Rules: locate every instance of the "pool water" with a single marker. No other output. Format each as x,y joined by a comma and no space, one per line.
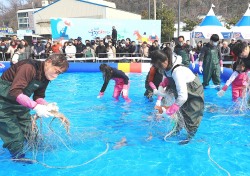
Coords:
220,147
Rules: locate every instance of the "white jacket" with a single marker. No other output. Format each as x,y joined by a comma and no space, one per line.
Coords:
181,76
70,51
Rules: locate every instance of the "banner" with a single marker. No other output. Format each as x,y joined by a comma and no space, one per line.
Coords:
90,29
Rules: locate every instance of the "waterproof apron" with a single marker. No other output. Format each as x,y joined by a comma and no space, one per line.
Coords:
192,109
211,67
15,119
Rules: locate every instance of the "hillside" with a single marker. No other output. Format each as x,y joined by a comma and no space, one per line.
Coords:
190,9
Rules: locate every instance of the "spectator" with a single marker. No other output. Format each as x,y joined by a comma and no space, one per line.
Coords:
70,50
48,49
132,50
225,51
112,48
39,50
79,48
144,50
12,48
101,50
114,36
27,47
64,46
231,45
89,51
189,45
18,54
153,48
56,47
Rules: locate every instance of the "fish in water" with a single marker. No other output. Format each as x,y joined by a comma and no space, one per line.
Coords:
121,143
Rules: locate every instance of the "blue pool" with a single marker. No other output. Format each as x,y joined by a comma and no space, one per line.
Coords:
221,146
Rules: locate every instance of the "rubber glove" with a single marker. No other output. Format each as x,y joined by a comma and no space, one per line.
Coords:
221,66
248,74
2,65
158,103
172,109
24,100
193,65
200,67
155,92
42,111
52,107
222,91
125,90
161,91
221,69
100,95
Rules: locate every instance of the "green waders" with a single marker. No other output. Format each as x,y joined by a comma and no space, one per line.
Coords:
185,58
192,109
211,67
15,119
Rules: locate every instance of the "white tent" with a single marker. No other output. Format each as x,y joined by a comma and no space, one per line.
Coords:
242,29
210,25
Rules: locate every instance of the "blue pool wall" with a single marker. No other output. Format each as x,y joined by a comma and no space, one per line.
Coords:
126,67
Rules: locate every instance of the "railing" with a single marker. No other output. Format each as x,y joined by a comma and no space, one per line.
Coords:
124,58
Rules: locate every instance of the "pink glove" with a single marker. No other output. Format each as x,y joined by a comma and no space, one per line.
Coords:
221,63
225,88
25,101
172,109
164,83
41,101
100,94
152,85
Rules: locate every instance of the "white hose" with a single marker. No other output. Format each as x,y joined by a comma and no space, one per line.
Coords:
220,167
65,167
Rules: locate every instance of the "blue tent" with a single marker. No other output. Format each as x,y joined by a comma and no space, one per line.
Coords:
210,25
242,27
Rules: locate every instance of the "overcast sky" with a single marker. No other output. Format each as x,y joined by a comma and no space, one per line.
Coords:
4,2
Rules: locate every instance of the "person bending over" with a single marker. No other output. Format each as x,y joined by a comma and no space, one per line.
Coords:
23,79
187,89
121,82
238,79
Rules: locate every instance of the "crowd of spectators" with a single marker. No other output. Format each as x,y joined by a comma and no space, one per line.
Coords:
89,50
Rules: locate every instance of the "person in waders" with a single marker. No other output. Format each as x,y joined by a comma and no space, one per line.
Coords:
17,84
187,90
210,62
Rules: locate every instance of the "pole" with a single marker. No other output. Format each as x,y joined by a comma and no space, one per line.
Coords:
149,9
154,9
179,17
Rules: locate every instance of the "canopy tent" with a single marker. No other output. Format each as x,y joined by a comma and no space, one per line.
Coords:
242,28
210,25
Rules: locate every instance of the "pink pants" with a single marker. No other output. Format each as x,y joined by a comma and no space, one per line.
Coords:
237,93
118,89
239,85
